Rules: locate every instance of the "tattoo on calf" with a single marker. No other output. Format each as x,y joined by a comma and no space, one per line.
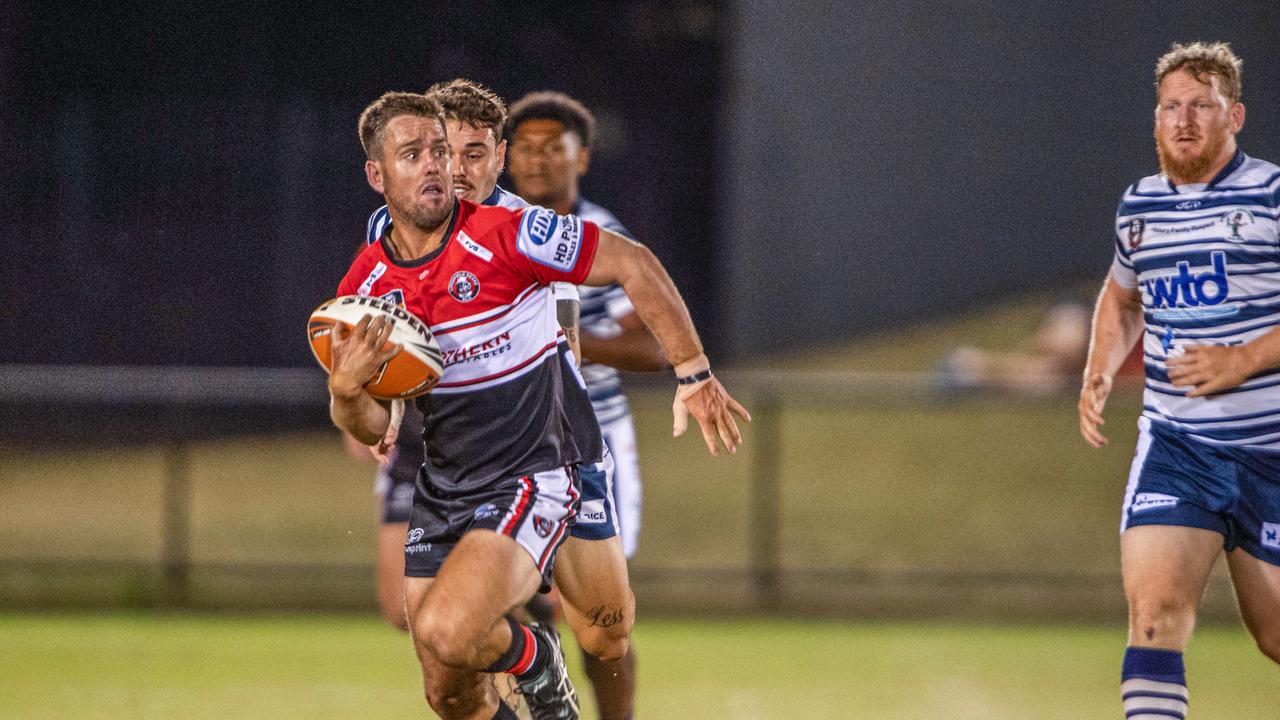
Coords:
602,617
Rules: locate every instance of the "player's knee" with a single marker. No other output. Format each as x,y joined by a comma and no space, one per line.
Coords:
395,617
607,644
1157,617
443,641
1269,644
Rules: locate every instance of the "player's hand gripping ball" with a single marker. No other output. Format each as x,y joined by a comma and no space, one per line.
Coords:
412,372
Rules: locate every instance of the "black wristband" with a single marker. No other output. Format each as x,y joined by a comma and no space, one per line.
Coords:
694,378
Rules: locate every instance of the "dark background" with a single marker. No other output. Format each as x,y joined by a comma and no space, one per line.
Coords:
182,181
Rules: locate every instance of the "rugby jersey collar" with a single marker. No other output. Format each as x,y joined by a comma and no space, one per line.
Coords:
419,262
495,197
1223,174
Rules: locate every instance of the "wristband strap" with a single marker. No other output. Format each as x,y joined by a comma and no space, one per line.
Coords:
694,378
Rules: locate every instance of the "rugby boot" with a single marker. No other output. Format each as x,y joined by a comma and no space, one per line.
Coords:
549,694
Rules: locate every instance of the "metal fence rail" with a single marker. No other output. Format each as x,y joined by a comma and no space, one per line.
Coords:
766,584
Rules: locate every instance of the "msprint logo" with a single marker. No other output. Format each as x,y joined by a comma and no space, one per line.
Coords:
1187,290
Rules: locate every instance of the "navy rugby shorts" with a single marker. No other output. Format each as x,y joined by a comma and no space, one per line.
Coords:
598,519
1175,480
534,510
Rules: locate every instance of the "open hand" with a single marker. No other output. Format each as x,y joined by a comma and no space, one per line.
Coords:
1093,398
713,408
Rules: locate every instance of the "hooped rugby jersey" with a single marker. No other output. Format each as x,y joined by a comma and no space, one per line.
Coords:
1206,259
503,405
601,309
409,439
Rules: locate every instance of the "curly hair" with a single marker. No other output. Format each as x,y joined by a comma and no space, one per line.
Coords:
1204,61
472,103
550,105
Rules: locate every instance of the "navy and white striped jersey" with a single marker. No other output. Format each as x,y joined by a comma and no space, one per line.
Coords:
601,308
1206,259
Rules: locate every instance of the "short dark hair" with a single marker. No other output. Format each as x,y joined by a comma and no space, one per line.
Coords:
551,105
374,119
470,102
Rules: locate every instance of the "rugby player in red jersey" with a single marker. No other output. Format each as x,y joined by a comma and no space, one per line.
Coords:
497,493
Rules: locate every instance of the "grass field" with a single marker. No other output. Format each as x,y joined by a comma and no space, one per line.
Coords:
195,667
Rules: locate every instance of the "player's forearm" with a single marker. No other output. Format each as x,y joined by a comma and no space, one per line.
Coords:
1117,325
359,414
633,350
1263,353
659,304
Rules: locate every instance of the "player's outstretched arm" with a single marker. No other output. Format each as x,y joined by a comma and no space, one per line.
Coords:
633,349
356,358
659,305
1117,324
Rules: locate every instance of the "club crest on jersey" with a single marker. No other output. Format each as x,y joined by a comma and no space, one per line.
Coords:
542,526
395,296
464,286
1235,220
1135,232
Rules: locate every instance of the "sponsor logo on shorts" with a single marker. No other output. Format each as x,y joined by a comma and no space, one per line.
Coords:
464,286
1271,535
542,526
415,535
1151,501
486,511
592,512
417,548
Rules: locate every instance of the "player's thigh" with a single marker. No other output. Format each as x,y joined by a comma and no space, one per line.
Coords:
484,576
1165,569
1257,585
595,590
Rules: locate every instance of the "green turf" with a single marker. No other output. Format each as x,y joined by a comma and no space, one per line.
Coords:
317,667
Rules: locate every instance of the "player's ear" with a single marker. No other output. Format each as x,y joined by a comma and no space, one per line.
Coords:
584,160
502,155
373,173
1237,117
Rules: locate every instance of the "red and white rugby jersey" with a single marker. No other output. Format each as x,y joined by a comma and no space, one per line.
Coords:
504,402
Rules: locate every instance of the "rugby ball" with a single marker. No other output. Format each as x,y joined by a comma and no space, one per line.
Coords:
412,372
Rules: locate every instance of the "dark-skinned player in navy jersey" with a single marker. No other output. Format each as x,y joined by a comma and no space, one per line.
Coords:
498,492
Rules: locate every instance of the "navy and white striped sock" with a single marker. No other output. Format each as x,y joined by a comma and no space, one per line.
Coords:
1153,684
